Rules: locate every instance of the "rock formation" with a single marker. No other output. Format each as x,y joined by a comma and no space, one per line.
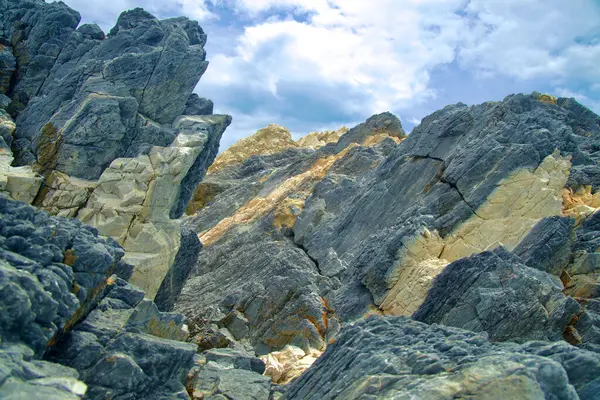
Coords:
107,128
458,261
480,219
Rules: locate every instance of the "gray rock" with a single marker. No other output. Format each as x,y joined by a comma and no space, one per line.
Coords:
213,126
399,358
37,32
229,374
22,377
198,106
547,247
495,293
380,123
98,98
8,65
53,272
175,279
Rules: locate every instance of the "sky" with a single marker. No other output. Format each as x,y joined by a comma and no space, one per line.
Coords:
313,65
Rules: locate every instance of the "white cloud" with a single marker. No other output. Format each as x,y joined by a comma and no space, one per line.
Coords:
530,39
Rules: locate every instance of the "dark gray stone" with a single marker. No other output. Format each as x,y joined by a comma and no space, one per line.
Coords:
547,247
397,357
185,260
495,293
198,106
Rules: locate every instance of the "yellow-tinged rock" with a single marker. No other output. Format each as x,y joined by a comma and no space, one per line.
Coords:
270,140
316,140
581,203
510,212
285,365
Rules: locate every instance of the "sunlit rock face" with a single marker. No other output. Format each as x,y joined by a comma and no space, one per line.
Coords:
302,241
395,357
106,128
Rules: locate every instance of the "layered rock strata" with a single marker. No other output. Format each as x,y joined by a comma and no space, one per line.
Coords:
482,218
106,127
395,357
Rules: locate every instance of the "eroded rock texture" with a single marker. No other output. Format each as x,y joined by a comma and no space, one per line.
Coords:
106,127
63,298
482,218
252,278
395,357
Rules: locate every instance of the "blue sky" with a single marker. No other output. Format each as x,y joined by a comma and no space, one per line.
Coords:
319,64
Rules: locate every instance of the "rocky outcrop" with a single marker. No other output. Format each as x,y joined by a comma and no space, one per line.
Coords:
108,126
276,299
64,299
230,374
476,220
399,358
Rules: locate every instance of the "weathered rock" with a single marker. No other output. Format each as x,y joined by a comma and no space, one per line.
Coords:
376,217
276,299
53,273
228,374
185,260
101,118
22,377
8,65
495,293
399,358
285,365
198,106
269,140
547,247
316,140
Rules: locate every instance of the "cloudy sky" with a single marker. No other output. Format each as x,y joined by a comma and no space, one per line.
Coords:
320,64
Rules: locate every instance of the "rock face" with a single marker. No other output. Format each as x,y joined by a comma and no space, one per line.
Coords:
62,299
480,229
399,358
107,128
483,218
277,298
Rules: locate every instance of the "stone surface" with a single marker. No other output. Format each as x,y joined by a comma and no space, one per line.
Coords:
399,358
228,374
23,377
198,106
102,124
286,365
269,140
299,240
495,293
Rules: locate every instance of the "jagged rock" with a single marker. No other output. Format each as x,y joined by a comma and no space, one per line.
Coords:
100,117
285,365
396,357
184,263
316,140
54,271
198,106
60,299
495,293
38,32
8,65
277,299
230,374
19,183
376,217
547,247
384,123
269,140
22,377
